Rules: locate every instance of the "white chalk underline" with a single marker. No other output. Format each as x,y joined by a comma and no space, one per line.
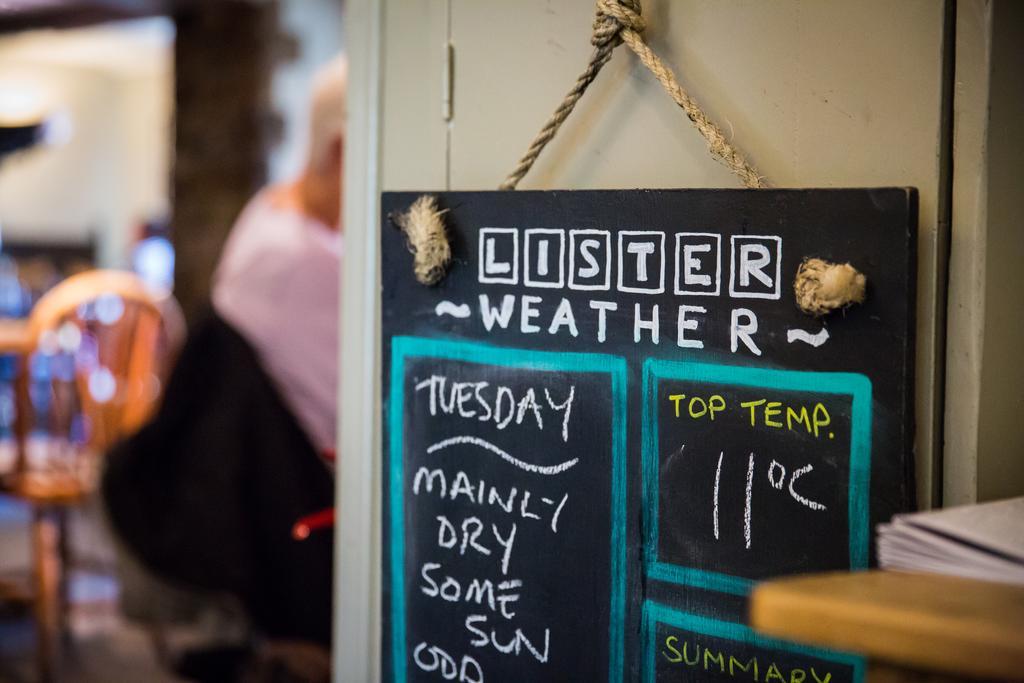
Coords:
488,446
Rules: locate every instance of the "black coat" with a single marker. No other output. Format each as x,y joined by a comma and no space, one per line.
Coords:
206,494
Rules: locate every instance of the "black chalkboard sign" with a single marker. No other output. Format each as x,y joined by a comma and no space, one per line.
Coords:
610,419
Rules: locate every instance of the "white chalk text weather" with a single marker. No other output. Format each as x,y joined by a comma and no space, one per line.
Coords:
689,265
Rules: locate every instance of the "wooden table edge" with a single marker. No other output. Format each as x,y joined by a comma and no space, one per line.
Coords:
795,609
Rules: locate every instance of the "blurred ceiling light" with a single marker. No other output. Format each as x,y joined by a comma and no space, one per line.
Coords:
102,385
48,344
21,104
28,118
109,308
69,337
153,260
28,115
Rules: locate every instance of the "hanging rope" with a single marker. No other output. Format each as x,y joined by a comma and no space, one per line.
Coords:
619,21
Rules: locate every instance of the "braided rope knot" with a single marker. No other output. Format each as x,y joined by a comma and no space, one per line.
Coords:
613,17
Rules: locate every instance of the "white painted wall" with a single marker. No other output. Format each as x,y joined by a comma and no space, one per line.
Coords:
317,25
984,433
116,85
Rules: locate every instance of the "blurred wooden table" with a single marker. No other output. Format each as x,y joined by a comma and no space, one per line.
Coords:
15,336
911,627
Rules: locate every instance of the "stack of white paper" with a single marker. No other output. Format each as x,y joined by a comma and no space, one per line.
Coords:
976,541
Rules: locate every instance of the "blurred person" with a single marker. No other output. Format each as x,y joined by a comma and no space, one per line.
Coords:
277,281
205,496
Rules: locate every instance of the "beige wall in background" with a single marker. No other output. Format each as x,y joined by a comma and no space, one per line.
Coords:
315,25
113,172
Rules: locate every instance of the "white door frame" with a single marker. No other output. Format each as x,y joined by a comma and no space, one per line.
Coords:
357,493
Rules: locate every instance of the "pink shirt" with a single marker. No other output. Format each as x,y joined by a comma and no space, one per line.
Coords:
277,284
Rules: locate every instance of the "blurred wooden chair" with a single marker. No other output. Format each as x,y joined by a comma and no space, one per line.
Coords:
98,349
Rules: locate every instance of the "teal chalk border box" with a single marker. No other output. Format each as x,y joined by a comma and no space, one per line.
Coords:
857,386
655,613
403,348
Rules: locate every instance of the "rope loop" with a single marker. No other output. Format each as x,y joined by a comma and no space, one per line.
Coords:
613,17
617,22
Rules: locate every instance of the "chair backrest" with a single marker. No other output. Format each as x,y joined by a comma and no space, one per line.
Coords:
100,352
